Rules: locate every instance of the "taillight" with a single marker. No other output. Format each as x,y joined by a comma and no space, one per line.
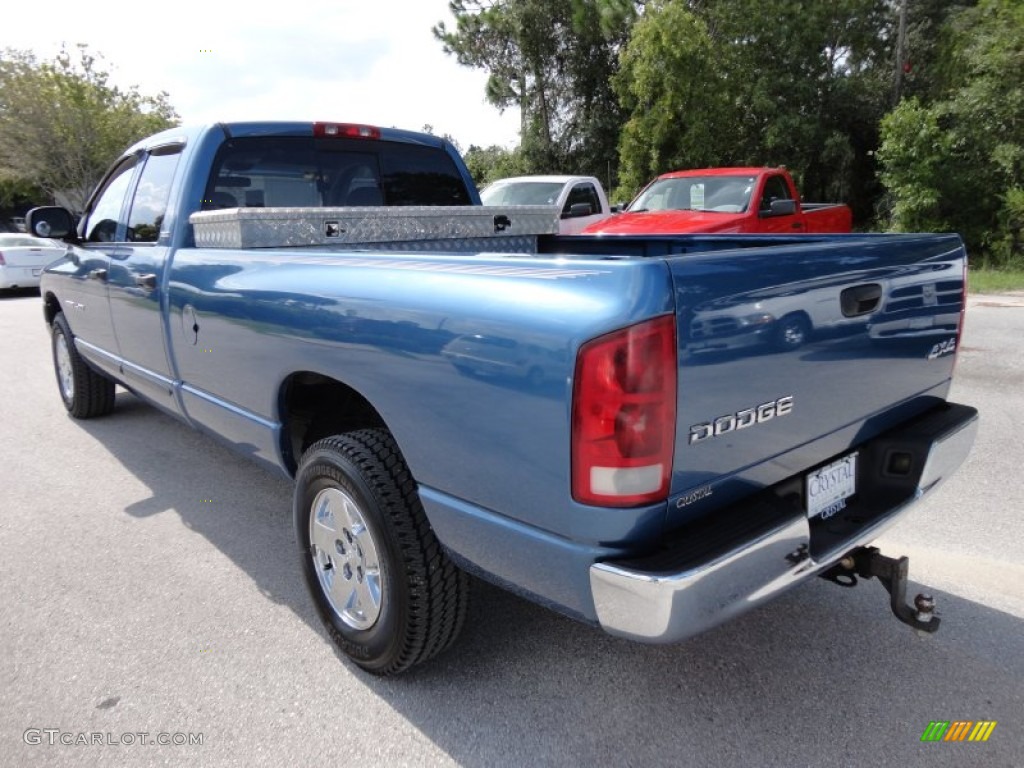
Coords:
345,131
624,415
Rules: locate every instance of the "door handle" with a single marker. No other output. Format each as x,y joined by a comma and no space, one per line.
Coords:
146,281
97,274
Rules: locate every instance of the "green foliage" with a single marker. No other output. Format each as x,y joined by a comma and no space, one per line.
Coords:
987,280
1008,240
674,89
957,162
17,194
62,123
554,62
487,164
743,82
915,157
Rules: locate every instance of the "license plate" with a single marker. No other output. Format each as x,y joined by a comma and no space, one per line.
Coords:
829,487
920,323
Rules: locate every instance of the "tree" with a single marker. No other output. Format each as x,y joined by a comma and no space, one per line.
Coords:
748,82
554,62
487,164
676,92
924,65
957,163
62,123
17,195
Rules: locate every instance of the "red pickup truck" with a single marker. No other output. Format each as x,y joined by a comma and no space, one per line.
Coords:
725,200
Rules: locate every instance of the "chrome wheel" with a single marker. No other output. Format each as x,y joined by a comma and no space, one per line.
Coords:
65,372
380,580
345,558
793,334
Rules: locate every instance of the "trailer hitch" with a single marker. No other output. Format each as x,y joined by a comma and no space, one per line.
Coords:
868,562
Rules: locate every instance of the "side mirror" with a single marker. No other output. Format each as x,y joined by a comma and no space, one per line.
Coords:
577,210
780,208
617,208
50,221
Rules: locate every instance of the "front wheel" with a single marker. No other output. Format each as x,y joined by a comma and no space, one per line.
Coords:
387,593
85,392
792,332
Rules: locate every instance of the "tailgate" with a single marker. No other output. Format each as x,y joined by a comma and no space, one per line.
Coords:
791,355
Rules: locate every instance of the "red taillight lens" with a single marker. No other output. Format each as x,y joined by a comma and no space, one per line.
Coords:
345,131
624,416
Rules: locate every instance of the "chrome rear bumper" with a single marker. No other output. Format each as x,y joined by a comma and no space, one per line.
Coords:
662,606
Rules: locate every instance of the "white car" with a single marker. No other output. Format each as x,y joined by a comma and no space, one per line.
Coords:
22,258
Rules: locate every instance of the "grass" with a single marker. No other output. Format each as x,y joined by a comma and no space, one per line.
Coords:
995,280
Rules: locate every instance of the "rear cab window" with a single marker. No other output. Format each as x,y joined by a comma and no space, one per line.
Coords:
303,172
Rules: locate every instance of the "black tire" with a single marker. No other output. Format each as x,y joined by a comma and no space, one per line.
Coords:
792,332
86,393
410,599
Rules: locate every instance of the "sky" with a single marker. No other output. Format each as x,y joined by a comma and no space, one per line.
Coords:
374,62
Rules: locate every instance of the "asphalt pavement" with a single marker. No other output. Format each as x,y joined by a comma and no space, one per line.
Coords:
150,592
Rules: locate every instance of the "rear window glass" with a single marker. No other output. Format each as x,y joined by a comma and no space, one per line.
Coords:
306,172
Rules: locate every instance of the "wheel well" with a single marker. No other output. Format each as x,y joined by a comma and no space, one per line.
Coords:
51,308
313,406
802,315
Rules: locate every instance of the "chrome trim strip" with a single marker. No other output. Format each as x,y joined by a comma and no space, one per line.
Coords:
664,608
231,407
144,373
96,354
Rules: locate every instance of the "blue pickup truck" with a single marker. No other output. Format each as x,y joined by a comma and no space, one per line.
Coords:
537,410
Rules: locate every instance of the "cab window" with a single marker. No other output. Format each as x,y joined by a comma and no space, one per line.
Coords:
775,188
305,172
105,221
582,193
150,201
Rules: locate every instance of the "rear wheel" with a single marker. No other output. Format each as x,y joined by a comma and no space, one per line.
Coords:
85,392
387,593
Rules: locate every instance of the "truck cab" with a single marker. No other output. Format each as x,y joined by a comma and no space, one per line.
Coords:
581,200
726,201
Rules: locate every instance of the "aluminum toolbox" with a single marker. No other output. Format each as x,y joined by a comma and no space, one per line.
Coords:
277,227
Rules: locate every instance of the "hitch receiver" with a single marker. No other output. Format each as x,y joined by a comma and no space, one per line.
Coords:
867,562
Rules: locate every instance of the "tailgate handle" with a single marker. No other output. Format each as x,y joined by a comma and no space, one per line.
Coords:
860,300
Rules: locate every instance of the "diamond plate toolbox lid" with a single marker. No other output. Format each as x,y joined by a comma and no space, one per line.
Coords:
277,227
